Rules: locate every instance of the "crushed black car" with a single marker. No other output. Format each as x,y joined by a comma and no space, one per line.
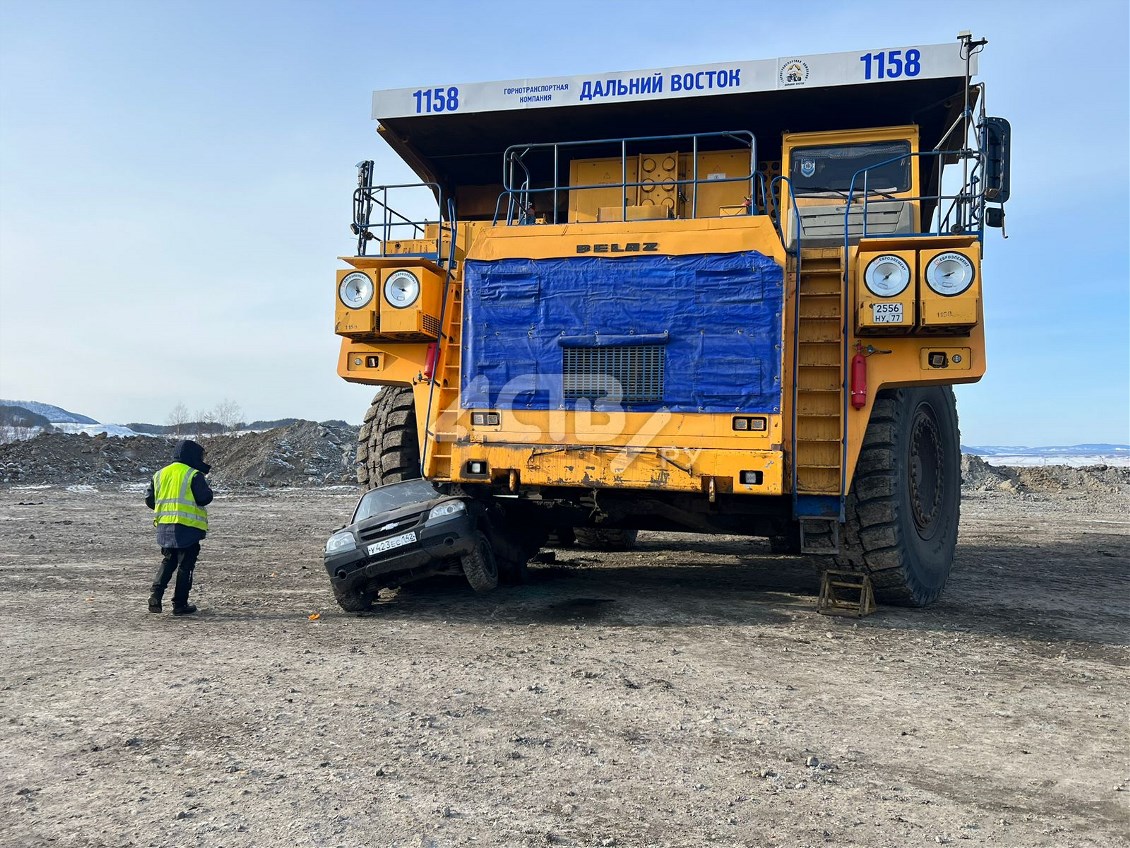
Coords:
407,531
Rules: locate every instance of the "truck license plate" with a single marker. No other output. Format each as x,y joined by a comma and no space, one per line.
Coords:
394,542
886,313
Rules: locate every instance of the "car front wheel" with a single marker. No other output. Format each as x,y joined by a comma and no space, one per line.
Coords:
480,566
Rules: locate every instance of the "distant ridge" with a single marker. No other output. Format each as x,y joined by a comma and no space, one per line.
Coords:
54,414
1048,452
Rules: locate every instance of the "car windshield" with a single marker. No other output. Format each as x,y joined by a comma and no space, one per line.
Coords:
815,170
392,496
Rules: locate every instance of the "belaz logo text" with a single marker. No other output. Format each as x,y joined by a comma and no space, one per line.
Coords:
629,247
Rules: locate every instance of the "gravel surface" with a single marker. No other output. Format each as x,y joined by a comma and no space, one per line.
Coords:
684,694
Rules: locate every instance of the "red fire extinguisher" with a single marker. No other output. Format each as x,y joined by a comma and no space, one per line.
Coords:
858,378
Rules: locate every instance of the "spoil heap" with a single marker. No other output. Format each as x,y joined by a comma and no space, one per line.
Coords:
303,453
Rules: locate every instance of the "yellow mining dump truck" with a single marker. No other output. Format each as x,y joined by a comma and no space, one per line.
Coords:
730,298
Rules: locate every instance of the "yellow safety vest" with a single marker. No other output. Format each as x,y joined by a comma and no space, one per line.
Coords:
172,496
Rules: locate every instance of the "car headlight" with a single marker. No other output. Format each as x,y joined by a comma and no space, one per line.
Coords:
446,510
401,289
949,274
886,276
356,290
340,542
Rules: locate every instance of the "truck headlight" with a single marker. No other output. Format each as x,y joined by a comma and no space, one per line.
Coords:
447,510
356,290
401,289
949,274
886,276
340,542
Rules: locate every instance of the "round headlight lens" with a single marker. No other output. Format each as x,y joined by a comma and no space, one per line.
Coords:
401,289
949,274
887,276
356,290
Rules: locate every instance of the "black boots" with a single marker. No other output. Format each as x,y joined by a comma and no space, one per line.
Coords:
182,561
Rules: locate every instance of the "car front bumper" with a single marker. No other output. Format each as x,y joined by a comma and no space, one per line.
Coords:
435,546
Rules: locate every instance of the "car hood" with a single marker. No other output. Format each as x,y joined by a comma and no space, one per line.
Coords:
401,513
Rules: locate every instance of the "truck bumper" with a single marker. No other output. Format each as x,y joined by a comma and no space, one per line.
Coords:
752,472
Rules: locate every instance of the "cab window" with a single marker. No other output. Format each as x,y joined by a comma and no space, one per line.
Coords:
829,168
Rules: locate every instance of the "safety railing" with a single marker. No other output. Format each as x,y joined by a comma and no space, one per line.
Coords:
794,221
520,192
393,225
960,212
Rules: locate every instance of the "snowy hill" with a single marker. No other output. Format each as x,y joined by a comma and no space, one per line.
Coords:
1075,455
54,414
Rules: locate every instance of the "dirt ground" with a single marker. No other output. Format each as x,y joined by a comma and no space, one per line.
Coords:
684,694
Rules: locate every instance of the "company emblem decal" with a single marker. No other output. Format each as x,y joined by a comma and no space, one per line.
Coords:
793,72
807,167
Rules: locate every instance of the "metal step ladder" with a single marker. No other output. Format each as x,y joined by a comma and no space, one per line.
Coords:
818,397
846,593
444,401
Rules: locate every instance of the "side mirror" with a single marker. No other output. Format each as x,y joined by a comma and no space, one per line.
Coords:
994,217
996,138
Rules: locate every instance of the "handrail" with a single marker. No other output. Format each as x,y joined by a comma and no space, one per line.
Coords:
794,220
523,191
366,198
440,347
965,213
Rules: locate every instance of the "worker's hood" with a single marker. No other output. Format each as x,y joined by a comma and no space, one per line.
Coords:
192,455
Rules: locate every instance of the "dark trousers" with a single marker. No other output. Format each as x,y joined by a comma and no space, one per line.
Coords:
182,561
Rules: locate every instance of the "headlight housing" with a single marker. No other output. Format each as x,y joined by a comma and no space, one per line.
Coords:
949,273
343,541
447,510
356,290
887,276
402,288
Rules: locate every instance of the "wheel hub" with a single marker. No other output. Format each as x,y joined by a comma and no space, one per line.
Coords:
926,477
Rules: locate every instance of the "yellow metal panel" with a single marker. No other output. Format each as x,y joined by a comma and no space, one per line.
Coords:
555,428
672,238
355,322
937,312
657,175
397,364
667,469
414,318
714,196
865,314
585,203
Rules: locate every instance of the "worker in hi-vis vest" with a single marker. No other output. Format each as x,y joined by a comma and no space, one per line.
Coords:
178,495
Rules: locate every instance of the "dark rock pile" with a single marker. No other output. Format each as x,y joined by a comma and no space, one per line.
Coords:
303,453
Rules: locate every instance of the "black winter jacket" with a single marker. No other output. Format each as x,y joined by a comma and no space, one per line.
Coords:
180,535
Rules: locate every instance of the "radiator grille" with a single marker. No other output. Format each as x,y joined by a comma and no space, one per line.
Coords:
430,325
628,373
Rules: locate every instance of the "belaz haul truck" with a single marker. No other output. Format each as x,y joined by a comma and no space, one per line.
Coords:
728,298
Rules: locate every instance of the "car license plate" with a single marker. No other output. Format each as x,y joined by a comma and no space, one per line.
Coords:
394,542
886,313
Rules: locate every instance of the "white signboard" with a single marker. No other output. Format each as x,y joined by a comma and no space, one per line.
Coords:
931,61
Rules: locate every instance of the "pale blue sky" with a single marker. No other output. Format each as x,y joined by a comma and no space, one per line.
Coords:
175,182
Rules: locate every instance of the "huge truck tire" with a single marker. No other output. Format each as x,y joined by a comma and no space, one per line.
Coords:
605,540
388,445
905,500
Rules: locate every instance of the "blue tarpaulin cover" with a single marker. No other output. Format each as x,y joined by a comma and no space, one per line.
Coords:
717,316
